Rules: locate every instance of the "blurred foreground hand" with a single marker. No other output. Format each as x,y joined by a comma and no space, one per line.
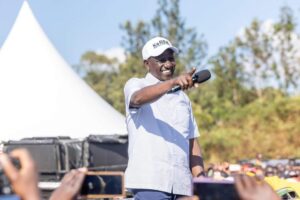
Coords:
251,188
189,198
70,185
24,181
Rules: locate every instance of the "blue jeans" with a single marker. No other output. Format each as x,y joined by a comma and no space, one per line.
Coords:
145,194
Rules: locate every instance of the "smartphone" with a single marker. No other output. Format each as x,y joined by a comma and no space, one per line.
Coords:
208,189
103,184
9,197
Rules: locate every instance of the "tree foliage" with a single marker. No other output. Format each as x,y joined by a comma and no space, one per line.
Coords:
254,76
270,53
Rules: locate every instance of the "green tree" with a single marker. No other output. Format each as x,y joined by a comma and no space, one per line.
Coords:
230,75
286,69
269,53
252,75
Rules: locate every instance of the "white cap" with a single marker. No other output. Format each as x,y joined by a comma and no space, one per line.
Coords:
157,46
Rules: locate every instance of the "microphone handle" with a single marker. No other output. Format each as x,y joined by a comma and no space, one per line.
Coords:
174,89
178,87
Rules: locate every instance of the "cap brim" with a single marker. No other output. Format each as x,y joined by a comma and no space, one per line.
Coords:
163,50
174,49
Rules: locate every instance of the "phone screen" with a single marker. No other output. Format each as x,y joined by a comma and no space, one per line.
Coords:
103,184
215,190
9,197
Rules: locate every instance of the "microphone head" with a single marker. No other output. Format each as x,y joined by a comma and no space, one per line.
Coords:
201,76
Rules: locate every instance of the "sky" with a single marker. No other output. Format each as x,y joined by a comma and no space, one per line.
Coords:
75,27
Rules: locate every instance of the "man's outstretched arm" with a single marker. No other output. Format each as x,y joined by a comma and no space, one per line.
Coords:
153,92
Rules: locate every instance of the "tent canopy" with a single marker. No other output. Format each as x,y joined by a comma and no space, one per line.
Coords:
41,96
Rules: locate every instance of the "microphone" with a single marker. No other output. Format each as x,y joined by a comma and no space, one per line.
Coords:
198,77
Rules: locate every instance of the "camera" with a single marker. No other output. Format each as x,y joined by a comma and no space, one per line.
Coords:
103,184
5,186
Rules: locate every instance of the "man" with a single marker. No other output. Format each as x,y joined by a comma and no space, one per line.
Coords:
163,147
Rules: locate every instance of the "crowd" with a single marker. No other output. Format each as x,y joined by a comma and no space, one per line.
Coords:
24,180
283,177
289,171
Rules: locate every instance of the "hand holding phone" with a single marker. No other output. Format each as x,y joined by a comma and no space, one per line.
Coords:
103,184
252,188
70,185
209,189
21,173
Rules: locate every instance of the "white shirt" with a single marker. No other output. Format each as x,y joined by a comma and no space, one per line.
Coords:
159,134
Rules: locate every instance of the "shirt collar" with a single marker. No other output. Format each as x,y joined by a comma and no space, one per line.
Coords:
151,79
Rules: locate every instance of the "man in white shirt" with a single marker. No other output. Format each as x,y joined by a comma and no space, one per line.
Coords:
164,152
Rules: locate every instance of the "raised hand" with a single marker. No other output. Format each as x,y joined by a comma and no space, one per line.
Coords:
251,188
24,181
70,185
185,80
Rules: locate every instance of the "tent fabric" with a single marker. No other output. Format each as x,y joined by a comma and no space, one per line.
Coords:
41,96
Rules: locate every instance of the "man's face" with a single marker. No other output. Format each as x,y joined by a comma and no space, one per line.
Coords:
162,66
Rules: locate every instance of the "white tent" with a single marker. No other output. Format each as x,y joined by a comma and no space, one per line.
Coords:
41,96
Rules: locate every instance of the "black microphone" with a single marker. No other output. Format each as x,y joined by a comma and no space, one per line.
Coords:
198,77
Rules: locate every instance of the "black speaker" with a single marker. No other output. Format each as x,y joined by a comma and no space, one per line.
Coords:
53,156
106,152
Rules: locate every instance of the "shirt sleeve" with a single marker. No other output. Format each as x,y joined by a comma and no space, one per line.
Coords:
131,86
195,131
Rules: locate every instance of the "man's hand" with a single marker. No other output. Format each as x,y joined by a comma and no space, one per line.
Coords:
70,185
250,188
24,181
185,80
